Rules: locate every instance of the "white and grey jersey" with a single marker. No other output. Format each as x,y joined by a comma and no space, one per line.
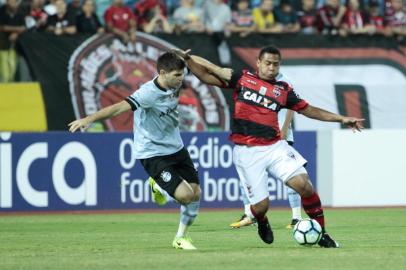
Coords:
156,123
282,113
281,120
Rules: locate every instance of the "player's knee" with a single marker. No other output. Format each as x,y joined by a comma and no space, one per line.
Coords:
197,193
185,197
301,184
307,189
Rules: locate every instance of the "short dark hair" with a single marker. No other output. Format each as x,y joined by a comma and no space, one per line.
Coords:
271,50
169,61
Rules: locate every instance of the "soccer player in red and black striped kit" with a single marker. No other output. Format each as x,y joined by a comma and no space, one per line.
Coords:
259,148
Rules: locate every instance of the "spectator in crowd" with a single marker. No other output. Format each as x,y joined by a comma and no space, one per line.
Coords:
287,17
355,21
307,17
121,21
379,4
329,17
156,21
62,22
12,22
74,7
87,20
36,17
242,21
143,11
396,18
264,18
188,18
11,26
375,19
217,16
388,6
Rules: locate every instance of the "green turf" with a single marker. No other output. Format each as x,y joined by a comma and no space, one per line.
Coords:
370,239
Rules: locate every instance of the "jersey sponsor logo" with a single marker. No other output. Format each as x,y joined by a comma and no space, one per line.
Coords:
103,71
166,176
256,98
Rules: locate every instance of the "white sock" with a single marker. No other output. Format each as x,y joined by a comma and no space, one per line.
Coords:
247,211
188,214
182,230
296,213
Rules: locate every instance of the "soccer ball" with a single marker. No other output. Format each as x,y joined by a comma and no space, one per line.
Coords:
307,232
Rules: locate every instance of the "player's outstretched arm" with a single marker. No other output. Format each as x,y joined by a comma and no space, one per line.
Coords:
209,73
323,115
104,113
206,71
223,74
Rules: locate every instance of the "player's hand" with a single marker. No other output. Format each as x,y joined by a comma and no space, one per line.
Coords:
224,74
354,123
81,124
185,55
58,31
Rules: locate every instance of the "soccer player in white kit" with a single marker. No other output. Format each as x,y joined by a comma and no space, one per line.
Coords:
157,141
284,118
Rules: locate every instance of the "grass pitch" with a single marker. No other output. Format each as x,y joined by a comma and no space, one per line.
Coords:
370,239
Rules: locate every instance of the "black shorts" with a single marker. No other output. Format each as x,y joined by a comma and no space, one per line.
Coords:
169,171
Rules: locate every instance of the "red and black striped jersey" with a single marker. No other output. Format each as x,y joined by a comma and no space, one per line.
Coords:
257,103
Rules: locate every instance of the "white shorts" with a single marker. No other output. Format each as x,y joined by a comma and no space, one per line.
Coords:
253,163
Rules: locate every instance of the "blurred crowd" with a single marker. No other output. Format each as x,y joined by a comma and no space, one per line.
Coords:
242,17
221,18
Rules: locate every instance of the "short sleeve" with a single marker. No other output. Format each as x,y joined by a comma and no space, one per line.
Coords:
143,98
294,102
237,74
